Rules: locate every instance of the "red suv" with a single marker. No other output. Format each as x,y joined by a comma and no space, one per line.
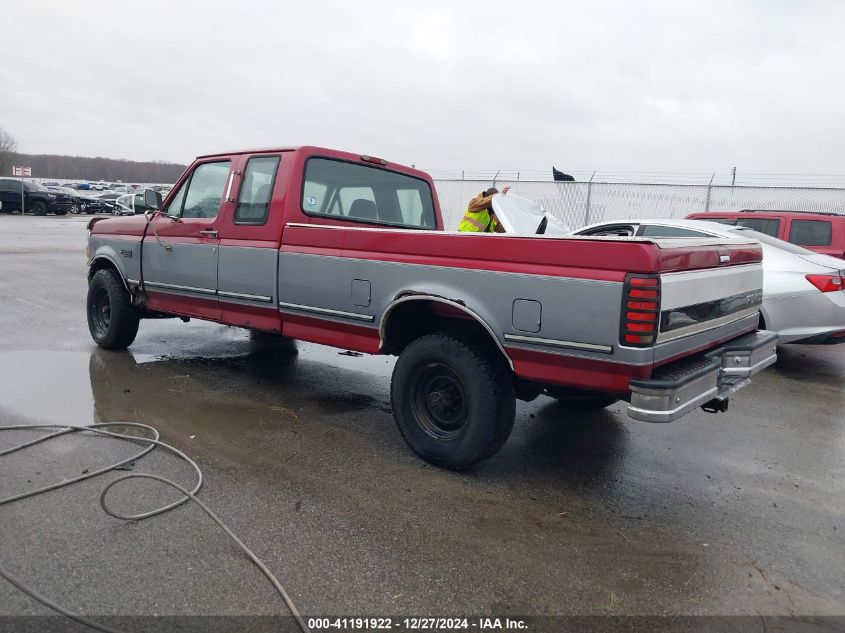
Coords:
820,232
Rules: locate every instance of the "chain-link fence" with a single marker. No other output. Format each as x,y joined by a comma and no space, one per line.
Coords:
580,203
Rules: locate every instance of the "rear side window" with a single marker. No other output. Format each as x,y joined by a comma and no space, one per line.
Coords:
769,226
810,232
360,193
653,230
257,186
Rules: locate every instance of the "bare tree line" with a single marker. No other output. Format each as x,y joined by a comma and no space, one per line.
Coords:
99,168
8,146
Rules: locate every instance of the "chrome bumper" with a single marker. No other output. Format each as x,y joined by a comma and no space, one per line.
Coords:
705,380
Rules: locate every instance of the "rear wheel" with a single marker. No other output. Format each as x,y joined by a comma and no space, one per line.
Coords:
112,319
453,400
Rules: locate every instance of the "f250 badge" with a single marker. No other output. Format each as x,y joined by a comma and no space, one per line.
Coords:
127,253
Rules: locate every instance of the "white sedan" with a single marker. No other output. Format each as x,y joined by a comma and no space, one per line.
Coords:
803,291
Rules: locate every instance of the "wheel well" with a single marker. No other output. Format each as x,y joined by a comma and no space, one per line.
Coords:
417,317
102,263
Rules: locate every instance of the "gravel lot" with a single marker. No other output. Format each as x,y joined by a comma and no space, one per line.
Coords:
592,514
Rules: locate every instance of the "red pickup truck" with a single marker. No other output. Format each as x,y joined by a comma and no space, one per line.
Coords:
350,251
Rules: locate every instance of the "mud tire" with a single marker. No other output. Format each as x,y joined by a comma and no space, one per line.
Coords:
112,319
453,400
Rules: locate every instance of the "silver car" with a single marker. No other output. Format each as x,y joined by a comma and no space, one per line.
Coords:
803,291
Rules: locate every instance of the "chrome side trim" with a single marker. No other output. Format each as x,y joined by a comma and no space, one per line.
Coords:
133,282
316,310
243,295
164,286
538,340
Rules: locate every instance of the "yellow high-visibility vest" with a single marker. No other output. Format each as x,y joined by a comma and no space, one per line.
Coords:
479,222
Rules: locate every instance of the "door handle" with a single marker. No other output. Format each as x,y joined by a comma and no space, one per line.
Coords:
209,232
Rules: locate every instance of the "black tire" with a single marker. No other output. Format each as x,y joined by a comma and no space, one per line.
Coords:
39,207
453,400
76,209
581,400
112,319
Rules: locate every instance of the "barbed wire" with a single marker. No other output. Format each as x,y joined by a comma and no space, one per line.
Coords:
719,177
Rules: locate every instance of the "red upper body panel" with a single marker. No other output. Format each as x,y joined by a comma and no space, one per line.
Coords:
596,258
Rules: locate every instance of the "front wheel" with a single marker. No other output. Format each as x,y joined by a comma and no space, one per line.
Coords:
39,208
112,319
453,400
75,209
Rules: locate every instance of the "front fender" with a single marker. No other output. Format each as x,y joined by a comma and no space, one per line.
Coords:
122,255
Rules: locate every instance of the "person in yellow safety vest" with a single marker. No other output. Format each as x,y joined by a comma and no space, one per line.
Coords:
479,217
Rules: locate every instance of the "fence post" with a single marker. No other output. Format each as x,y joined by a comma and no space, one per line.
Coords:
709,187
589,191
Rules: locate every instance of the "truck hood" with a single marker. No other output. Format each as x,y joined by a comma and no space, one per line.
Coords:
128,225
521,216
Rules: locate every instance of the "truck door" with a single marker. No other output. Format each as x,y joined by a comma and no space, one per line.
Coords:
179,258
249,245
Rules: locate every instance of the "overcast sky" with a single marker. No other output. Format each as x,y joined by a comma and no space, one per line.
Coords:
629,86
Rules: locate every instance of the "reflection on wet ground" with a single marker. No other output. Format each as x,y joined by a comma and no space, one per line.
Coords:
610,492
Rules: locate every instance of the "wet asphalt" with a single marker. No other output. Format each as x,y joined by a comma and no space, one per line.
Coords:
589,514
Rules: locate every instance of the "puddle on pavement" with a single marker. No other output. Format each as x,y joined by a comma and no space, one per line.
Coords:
47,387
226,385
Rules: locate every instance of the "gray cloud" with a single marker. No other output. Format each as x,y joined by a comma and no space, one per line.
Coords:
636,86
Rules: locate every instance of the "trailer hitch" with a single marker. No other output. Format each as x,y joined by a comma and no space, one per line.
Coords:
716,405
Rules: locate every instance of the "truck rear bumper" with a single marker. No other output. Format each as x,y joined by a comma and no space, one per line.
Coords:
705,380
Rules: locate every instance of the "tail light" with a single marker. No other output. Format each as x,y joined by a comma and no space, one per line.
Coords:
827,283
640,310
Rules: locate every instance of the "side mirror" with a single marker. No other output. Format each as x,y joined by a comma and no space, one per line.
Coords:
152,199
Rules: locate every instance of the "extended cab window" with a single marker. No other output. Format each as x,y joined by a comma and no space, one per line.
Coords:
810,232
361,193
254,196
201,194
769,226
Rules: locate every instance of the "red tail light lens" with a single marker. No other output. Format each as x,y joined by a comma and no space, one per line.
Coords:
640,310
644,281
642,305
645,294
827,283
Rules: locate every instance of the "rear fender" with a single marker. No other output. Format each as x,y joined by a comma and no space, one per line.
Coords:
411,296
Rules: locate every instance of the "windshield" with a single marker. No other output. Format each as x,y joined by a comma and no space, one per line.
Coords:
772,241
35,186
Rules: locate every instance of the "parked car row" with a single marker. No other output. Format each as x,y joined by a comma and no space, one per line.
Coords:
34,197
61,200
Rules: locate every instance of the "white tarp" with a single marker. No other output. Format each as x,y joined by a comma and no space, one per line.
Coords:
522,216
